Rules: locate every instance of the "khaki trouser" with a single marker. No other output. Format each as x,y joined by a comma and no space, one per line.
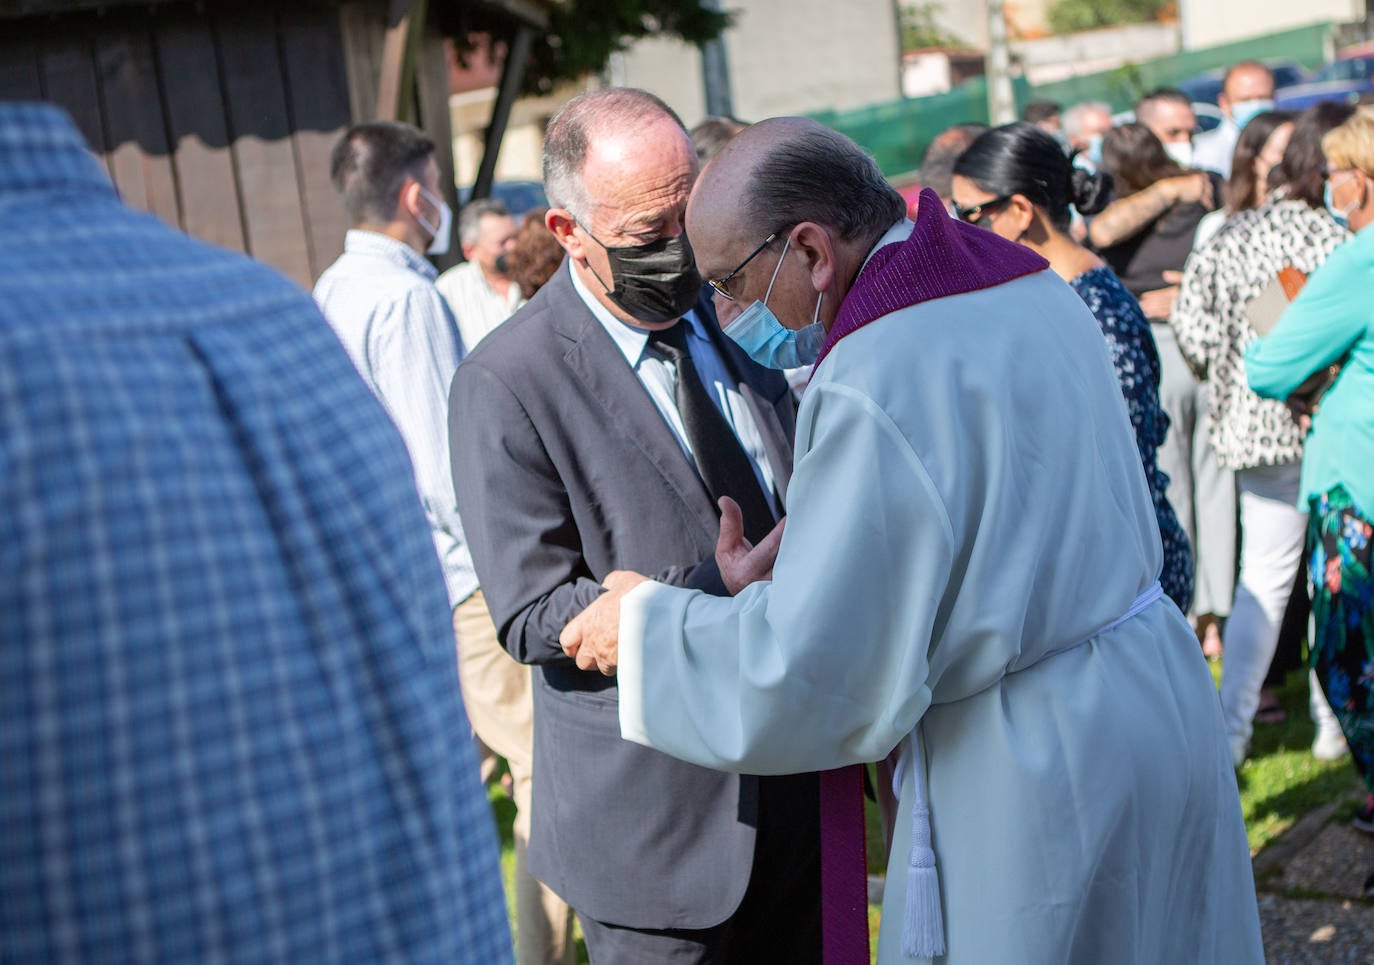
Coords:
496,692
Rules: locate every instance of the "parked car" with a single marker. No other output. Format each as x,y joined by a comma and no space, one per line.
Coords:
1349,78
517,196
1206,87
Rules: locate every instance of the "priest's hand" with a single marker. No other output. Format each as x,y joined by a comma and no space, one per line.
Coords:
592,638
740,562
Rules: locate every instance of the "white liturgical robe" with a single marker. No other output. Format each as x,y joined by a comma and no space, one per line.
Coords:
968,499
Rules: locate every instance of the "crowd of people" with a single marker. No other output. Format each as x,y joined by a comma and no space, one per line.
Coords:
739,473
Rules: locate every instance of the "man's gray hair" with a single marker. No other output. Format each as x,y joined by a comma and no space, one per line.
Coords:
1075,118
470,218
570,131
822,176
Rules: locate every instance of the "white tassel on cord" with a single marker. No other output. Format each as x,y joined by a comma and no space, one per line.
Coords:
923,930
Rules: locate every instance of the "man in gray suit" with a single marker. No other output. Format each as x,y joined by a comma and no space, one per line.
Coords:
595,431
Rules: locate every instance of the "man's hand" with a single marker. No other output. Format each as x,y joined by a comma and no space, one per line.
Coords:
1190,188
1159,303
592,638
740,562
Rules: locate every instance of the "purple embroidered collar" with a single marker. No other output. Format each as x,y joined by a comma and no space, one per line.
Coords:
942,256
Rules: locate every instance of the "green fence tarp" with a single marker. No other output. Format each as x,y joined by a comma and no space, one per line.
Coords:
896,132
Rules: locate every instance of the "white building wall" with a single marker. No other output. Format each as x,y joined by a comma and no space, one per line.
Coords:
1209,22
785,57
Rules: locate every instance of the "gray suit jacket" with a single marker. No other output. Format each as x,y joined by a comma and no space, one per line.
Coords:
564,471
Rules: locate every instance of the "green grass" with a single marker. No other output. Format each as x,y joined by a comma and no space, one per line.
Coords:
1279,783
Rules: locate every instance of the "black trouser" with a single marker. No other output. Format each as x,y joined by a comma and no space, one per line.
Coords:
779,918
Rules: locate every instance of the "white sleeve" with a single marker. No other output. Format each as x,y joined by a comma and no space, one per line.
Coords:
827,664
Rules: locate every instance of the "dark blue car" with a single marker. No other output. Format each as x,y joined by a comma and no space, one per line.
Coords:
1349,78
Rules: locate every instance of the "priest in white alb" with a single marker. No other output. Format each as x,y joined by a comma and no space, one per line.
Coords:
968,571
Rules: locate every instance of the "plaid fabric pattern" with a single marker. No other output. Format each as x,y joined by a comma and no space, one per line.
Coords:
230,726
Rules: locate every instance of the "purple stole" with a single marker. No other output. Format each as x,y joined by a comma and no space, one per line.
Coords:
940,257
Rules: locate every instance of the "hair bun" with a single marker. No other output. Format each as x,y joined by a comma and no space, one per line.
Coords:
1091,190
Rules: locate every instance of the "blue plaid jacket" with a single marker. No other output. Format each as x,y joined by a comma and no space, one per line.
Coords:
230,727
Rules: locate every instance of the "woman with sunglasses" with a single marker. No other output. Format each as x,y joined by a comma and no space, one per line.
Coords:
1016,181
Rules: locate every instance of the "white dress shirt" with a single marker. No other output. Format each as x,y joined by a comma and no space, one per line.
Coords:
659,378
380,299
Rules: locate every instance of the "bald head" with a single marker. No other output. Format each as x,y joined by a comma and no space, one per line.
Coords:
813,190
787,170
607,120
1246,82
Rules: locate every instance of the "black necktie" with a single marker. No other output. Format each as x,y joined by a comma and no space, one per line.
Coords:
721,460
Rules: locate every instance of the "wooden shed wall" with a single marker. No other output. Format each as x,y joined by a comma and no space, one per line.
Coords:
218,118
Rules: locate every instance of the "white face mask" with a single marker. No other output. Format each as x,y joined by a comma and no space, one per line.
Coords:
443,232
1181,152
770,343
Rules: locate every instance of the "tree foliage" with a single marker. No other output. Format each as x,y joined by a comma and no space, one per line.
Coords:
919,29
583,34
1066,16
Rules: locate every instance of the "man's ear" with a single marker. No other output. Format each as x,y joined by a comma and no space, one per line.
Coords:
812,242
410,201
561,222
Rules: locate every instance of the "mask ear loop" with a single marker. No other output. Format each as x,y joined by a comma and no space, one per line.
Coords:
816,315
433,203
777,268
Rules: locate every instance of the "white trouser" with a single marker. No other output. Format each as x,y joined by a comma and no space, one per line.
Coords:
1272,532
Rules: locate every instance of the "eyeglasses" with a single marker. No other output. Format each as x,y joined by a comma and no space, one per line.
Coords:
974,214
1329,171
718,285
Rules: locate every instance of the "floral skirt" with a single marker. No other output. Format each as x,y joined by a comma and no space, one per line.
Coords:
1338,539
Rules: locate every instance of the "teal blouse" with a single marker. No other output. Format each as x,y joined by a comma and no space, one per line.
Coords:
1332,316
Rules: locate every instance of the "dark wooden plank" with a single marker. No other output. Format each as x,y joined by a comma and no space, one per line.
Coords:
207,189
400,51
269,184
364,30
317,90
140,161
69,79
32,8
432,101
20,79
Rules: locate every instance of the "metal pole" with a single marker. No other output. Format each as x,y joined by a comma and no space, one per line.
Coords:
715,73
1001,102
512,73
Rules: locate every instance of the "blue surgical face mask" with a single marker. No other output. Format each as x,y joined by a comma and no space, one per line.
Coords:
770,343
1341,215
1243,112
1094,149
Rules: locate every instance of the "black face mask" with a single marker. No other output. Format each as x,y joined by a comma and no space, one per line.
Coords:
657,282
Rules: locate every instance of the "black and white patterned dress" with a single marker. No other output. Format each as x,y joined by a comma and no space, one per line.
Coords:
1212,331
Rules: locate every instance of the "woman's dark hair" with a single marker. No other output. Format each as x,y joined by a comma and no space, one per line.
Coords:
1022,159
1301,172
1240,189
1136,158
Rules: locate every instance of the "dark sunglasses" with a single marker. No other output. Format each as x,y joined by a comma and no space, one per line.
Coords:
977,212
719,285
